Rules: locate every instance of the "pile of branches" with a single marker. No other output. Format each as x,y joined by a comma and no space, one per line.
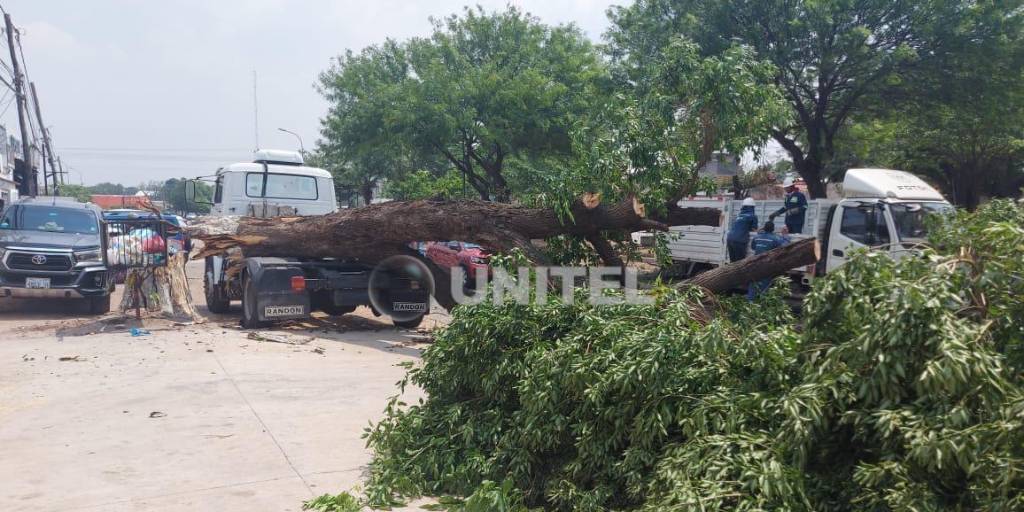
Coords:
901,389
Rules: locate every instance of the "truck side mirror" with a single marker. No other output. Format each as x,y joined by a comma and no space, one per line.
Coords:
190,193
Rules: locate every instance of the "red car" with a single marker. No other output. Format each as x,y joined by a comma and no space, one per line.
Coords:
471,257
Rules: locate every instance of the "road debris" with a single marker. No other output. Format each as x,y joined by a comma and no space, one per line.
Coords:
71,358
273,338
157,414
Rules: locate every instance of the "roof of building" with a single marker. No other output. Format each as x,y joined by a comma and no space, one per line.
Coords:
107,201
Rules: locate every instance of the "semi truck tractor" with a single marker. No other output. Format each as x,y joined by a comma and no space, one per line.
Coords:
285,286
880,209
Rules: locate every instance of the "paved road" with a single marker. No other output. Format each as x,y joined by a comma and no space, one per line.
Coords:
203,417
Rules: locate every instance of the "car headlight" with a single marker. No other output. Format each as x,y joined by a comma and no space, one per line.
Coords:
91,255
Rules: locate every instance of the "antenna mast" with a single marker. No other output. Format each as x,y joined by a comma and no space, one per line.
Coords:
255,112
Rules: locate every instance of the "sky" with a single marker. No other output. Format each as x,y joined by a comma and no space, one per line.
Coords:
135,90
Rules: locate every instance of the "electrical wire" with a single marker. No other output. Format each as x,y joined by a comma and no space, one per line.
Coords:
8,105
156,150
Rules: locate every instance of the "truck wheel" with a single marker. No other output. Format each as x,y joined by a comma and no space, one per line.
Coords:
468,279
216,296
99,305
408,324
250,316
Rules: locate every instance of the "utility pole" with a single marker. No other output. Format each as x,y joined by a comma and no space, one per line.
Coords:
48,148
19,92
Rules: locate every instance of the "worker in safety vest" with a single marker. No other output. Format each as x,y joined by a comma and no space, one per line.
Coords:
738,237
764,241
795,207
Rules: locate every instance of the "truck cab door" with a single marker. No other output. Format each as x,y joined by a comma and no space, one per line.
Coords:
856,225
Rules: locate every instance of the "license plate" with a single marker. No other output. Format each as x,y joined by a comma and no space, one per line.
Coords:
273,311
418,307
37,282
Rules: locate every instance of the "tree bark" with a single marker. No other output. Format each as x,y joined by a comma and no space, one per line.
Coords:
160,291
372,233
763,266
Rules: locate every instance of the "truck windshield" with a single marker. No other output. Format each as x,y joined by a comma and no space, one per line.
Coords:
910,218
281,186
51,219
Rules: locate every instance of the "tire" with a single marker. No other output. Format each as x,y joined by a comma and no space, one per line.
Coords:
99,305
216,296
250,317
408,324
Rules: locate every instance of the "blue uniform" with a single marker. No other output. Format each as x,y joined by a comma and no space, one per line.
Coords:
762,243
738,237
795,207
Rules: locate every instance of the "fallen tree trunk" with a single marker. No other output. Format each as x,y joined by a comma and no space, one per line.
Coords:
763,266
374,232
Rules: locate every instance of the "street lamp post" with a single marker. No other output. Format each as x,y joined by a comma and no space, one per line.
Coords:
301,146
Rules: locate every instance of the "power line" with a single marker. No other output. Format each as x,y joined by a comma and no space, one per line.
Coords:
156,150
8,105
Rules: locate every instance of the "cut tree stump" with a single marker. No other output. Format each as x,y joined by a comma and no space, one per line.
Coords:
160,291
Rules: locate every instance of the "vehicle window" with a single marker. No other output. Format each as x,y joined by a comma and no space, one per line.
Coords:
281,186
855,222
454,246
56,220
218,190
7,222
910,218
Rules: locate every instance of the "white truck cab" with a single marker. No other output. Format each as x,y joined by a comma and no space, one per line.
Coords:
276,183
285,286
880,209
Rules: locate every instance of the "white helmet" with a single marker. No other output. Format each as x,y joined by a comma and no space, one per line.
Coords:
748,201
788,182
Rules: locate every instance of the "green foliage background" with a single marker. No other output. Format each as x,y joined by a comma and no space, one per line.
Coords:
900,389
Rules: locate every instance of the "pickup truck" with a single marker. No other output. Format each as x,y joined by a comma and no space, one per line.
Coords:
51,247
283,286
880,209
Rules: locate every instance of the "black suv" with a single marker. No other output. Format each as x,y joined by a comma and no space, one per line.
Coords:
52,247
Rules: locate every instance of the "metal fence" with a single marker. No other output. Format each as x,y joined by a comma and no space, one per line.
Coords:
135,243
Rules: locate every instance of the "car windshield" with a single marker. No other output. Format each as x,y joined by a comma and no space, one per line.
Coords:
910,217
51,219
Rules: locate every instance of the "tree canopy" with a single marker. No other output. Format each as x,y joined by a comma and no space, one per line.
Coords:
832,58
484,93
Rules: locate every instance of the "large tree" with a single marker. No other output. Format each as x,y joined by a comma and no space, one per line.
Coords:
483,92
831,56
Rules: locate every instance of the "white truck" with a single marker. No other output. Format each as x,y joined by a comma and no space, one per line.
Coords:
278,183
881,209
